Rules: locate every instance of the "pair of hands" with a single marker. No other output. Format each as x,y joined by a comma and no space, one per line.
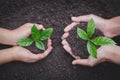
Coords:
17,53
110,28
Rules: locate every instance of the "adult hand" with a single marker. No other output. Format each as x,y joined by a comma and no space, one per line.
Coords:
18,53
104,53
109,27
10,37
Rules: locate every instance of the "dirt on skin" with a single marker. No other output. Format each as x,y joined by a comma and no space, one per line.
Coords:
55,14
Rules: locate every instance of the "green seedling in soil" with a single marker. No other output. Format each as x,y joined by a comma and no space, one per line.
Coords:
97,41
37,38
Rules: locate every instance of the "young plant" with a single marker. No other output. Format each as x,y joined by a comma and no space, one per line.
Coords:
37,37
92,43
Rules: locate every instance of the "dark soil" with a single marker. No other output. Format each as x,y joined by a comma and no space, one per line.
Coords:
34,49
56,14
79,46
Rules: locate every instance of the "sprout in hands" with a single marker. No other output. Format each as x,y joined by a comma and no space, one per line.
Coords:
37,38
92,43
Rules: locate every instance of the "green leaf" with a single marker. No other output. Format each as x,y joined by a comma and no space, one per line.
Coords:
24,42
103,41
92,49
35,33
46,33
90,28
40,45
82,34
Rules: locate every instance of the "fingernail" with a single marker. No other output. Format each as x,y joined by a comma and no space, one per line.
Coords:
73,18
73,62
40,26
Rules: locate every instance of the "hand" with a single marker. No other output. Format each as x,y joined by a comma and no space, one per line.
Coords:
109,27
18,53
10,37
104,53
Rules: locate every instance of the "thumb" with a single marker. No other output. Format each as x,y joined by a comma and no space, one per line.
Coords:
30,25
25,30
85,62
86,18
39,26
80,62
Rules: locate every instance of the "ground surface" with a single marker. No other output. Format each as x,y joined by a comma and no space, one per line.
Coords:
56,14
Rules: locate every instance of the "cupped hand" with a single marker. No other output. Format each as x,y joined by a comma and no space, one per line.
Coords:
22,54
21,32
18,53
104,53
109,27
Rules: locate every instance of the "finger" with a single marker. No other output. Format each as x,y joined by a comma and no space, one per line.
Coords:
45,54
49,43
37,57
40,27
64,42
86,18
25,30
28,26
86,62
68,49
80,62
69,27
48,51
65,35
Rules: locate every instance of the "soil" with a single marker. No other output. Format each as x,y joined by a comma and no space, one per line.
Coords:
79,46
55,14
34,49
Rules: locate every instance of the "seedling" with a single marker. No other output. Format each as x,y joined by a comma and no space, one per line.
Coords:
37,38
92,43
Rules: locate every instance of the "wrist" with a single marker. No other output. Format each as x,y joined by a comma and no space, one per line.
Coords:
14,51
7,55
7,37
114,26
11,38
